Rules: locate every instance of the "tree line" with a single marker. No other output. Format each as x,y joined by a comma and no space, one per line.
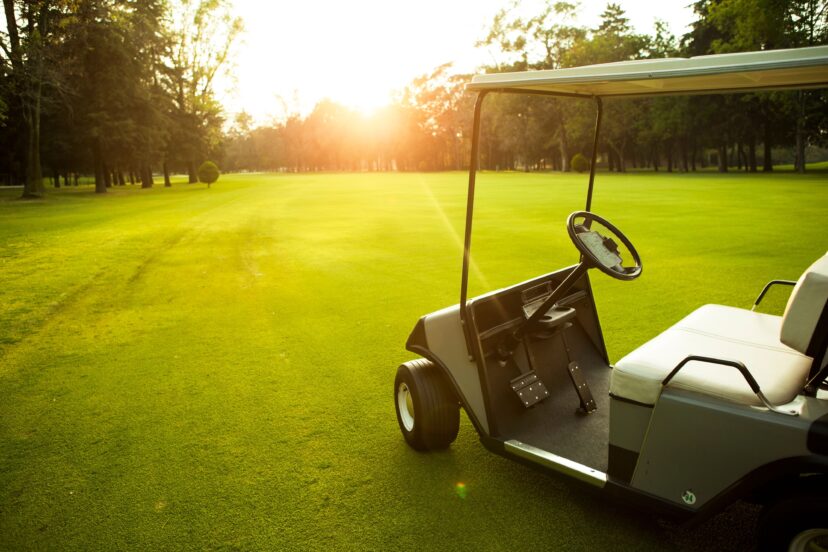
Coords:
119,89
429,126
124,89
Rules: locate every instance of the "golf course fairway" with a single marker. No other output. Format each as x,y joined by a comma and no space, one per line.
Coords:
213,368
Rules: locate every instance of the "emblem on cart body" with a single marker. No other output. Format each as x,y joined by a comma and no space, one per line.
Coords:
689,497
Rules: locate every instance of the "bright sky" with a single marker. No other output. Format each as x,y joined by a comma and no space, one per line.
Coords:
359,52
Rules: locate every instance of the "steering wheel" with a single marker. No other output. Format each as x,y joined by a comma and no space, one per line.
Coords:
600,250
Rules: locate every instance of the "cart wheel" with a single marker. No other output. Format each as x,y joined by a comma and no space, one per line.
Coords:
427,410
796,523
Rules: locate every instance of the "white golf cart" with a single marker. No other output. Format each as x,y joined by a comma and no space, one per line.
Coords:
724,405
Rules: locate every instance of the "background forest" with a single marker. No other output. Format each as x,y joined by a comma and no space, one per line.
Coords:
124,91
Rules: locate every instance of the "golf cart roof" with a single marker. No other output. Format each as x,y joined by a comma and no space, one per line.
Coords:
770,69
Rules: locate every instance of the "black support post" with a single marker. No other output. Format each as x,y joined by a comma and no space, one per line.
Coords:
464,278
599,112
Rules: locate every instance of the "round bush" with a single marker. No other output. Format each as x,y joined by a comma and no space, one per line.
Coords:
208,172
580,163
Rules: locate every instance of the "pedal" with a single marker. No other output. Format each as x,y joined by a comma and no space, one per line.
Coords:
581,387
529,388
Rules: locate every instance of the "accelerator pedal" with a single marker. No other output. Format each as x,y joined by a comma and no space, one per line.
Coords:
530,389
584,394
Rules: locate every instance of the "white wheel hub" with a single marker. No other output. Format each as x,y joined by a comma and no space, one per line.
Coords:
811,540
405,406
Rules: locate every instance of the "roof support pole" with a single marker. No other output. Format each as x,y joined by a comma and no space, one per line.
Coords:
464,278
599,112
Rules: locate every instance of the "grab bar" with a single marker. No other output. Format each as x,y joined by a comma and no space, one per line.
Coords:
767,287
754,385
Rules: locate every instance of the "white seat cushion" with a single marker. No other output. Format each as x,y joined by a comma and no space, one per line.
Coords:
805,306
721,332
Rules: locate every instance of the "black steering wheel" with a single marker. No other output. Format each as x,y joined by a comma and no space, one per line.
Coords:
599,249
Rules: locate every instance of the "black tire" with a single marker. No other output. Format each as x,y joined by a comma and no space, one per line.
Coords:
431,416
793,521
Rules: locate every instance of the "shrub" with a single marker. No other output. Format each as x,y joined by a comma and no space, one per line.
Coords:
580,163
208,173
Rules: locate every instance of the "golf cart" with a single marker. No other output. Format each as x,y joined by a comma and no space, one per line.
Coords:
726,404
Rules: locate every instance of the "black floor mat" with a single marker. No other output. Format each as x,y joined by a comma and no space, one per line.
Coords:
555,425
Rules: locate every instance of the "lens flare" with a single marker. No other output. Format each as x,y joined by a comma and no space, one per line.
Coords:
460,489
458,239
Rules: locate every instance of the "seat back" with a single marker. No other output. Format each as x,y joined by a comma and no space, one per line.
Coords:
803,324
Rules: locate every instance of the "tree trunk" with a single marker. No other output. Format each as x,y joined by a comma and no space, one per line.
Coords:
455,162
767,159
75,179
31,100
723,158
100,184
146,177
66,180
800,134
107,176
121,179
166,168
693,155
564,146
752,152
132,177
669,154
191,170
620,166
33,183
55,178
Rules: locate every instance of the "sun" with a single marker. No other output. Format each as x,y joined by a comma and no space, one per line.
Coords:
358,54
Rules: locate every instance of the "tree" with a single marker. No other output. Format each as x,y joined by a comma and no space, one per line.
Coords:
208,173
546,40
4,107
613,40
442,110
747,25
204,33
110,43
29,33
580,163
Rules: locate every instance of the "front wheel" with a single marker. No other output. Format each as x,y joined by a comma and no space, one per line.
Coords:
427,410
797,523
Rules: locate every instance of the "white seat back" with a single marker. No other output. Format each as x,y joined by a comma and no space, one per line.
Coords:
805,307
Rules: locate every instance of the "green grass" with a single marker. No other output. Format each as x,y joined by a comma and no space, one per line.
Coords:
820,166
197,369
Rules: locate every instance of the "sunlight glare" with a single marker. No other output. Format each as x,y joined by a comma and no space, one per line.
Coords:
355,53
361,53
474,270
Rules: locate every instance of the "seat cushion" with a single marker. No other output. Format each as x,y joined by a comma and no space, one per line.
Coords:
808,300
721,332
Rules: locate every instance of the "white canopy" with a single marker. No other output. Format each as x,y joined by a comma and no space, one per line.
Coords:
794,68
